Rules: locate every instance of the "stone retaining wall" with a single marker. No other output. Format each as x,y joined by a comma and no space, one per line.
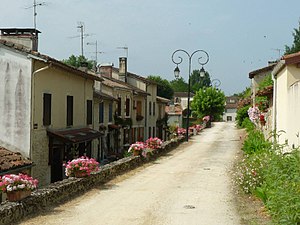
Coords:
58,192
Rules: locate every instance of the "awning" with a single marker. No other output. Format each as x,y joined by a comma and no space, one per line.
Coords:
75,135
113,126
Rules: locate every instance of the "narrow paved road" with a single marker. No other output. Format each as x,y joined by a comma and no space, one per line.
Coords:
189,186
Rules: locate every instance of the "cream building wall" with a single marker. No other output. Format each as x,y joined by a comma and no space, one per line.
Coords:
15,98
288,105
59,84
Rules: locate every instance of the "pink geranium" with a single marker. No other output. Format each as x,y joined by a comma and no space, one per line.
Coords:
137,146
153,143
82,165
17,182
181,131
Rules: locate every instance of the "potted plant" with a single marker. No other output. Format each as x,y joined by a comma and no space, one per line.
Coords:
136,148
17,186
81,167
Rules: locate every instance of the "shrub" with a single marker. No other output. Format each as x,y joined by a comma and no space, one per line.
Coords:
248,125
255,143
242,114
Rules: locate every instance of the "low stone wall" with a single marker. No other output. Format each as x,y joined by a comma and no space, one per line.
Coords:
58,192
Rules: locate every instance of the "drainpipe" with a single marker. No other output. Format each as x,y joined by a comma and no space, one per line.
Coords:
274,114
33,94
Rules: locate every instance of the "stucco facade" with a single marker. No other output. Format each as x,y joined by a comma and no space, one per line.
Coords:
15,100
287,106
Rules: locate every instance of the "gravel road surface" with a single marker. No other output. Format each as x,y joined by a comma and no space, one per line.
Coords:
190,185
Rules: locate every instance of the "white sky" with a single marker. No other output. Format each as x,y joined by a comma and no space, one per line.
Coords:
239,36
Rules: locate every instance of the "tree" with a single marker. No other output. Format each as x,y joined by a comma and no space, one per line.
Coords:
77,61
209,101
198,82
164,88
179,85
296,46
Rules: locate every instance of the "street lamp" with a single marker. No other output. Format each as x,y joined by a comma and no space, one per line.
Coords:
215,83
202,61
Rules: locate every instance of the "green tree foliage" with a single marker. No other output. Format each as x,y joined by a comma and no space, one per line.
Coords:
296,45
164,88
198,82
77,61
179,85
209,101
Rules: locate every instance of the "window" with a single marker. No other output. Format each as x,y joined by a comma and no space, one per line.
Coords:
110,112
69,110
139,108
149,133
127,107
119,106
101,112
141,134
150,108
153,108
89,112
47,109
153,132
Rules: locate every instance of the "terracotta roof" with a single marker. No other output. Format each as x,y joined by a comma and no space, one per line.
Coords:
163,100
183,94
111,82
12,160
101,95
49,60
292,58
129,74
261,70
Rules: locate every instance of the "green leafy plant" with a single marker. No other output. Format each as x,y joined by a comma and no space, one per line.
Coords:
255,143
242,114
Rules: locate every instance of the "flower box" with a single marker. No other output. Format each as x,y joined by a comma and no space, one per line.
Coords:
14,196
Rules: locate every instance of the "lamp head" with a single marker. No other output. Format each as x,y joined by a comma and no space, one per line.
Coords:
176,72
202,72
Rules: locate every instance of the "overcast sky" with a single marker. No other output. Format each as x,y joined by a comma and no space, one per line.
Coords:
239,36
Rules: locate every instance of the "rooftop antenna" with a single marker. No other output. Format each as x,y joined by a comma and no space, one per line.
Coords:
126,50
279,51
82,35
35,4
96,52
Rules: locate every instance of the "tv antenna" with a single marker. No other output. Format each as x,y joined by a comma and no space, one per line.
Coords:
278,50
126,50
34,6
96,52
82,35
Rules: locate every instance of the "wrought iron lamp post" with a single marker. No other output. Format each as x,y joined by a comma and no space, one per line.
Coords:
202,61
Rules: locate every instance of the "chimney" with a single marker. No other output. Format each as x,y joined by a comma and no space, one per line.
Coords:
27,37
123,69
105,70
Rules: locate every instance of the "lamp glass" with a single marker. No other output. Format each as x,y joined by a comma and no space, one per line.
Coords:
176,72
202,72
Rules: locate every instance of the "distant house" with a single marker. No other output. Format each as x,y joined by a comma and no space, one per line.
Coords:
286,99
182,98
231,104
46,106
174,112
